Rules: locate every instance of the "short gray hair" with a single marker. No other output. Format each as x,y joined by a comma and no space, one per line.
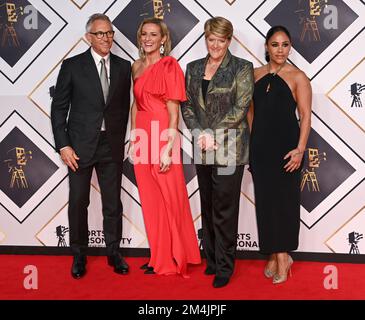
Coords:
94,17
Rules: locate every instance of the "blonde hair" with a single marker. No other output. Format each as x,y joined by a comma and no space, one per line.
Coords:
164,33
218,26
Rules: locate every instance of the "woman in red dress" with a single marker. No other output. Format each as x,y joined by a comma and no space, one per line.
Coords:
155,150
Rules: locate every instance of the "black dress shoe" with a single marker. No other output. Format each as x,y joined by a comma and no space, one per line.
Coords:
119,264
209,271
149,270
78,268
220,281
144,266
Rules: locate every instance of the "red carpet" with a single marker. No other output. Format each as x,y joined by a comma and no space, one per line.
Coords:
101,283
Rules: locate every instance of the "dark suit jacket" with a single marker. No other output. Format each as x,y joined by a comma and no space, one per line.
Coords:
78,106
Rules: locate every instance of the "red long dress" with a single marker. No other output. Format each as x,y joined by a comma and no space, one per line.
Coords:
165,204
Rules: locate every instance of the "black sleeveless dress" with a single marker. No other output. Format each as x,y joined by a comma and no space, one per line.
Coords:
275,131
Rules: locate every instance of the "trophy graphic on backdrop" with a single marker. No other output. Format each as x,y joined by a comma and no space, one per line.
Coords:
309,176
11,12
18,160
308,12
159,8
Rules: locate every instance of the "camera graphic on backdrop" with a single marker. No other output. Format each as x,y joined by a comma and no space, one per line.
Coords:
323,171
308,13
9,35
24,165
27,28
348,94
356,90
17,161
21,25
29,167
314,24
354,238
61,232
309,175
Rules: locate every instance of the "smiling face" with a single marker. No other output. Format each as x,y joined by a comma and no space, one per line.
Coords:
217,46
101,46
278,48
151,38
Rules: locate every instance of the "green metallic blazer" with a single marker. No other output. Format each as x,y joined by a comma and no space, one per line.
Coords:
224,111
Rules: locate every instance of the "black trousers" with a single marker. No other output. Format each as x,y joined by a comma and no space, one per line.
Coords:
220,200
109,175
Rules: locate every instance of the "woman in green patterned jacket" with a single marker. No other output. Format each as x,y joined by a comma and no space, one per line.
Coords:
219,90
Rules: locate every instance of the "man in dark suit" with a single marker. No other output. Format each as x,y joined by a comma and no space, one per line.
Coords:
89,116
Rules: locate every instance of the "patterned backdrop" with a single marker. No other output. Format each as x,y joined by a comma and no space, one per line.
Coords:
36,35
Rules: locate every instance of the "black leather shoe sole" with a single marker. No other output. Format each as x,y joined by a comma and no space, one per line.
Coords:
220,282
123,271
78,268
149,270
78,275
120,268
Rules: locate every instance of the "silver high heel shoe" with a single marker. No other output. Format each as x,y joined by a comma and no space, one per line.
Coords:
269,273
282,278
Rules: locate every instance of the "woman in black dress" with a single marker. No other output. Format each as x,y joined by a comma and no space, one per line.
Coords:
277,146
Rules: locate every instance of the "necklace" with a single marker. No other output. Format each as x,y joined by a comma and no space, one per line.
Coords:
273,74
213,65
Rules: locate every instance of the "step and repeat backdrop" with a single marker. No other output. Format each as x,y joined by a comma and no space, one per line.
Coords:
328,38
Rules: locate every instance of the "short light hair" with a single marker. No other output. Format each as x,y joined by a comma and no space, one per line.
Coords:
218,26
94,17
164,32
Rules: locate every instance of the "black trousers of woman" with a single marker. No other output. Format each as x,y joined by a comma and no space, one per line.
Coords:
220,200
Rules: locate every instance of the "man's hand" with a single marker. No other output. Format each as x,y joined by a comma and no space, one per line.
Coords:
69,158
